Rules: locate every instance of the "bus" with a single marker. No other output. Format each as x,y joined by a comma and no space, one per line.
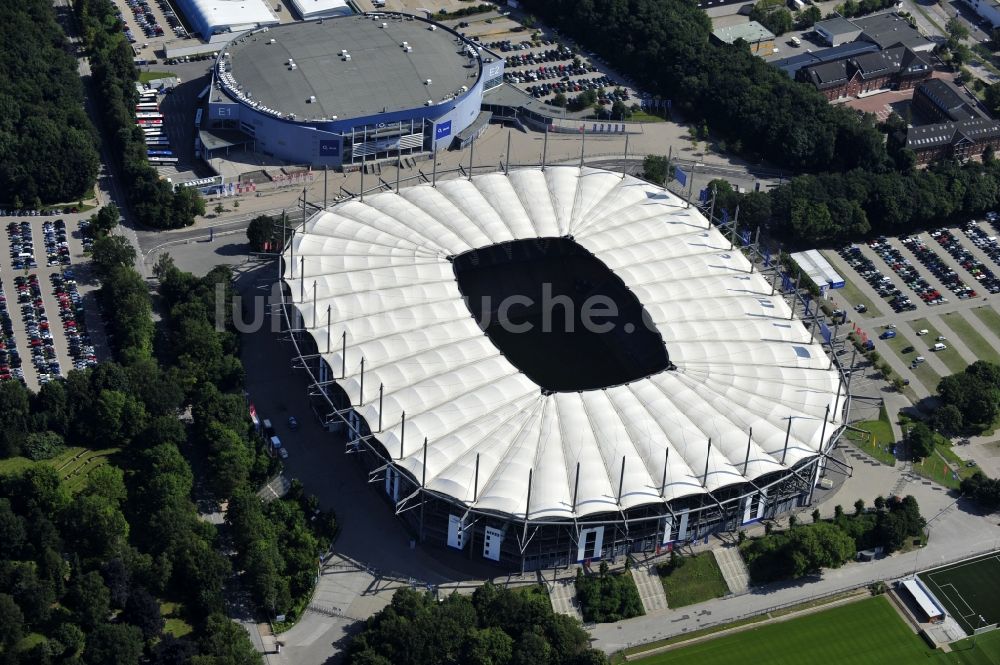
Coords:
204,93
147,106
148,114
151,132
163,160
147,97
159,153
197,119
158,140
149,121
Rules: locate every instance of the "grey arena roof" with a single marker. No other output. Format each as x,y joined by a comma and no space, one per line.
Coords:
381,75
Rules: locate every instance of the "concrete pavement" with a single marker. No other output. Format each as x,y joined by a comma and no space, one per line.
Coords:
650,588
562,593
734,570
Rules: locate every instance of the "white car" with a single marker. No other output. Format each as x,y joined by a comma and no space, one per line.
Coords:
923,332
283,453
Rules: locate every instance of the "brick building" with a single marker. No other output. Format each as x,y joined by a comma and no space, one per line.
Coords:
962,140
899,67
937,101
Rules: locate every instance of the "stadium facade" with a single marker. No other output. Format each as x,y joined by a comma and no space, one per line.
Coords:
704,406
339,91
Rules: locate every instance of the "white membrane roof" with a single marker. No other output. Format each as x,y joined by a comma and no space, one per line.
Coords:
380,267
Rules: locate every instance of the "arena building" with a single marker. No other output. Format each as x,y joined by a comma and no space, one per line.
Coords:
339,91
448,331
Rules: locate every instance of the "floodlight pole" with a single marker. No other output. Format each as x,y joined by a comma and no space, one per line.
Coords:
746,460
506,166
381,387
663,481
545,146
329,310
708,456
625,158
788,434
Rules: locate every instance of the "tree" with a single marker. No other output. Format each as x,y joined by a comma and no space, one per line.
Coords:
11,623
43,445
227,642
947,419
808,17
114,644
559,100
816,515
956,29
142,610
654,168
490,646
110,252
106,219
89,600
859,507
16,409
260,232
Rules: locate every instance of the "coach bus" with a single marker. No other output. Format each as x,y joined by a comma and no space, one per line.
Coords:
146,122
163,160
157,140
197,119
204,93
145,94
152,131
147,106
159,153
148,114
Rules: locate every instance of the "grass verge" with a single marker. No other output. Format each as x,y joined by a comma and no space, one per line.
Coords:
146,77
950,357
854,296
881,442
982,349
695,580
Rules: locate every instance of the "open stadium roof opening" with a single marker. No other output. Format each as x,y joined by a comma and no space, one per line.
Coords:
744,393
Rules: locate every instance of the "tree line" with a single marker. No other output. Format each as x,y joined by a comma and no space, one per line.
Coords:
153,200
48,147
495,626
805,549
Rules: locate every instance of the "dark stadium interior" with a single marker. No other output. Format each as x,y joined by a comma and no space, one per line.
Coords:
532,296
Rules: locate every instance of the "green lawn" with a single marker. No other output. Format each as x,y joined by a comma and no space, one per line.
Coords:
643,116
175,625
950,357
990,317
924,373
881,442
854,296
868,632
146,77
698,579
982,349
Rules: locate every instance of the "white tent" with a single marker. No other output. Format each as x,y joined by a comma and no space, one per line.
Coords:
381,268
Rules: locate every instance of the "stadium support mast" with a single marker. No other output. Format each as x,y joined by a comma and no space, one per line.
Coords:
711,210
583,143
399,166
329,311
423,485
545,146
362,178
625,158
746,461
663,482
343,354
361,388
314,303
708,456
788,434
621,483
326,174
472,154
475,482
576,487
732,229
506,165
302,279
381,389
434,169
402,435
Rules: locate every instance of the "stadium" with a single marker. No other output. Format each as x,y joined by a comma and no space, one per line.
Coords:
445,328
338,91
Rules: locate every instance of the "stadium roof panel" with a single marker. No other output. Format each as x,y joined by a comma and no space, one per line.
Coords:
383,269
380,77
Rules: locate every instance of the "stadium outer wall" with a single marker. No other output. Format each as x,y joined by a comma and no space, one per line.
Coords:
331,143
514,543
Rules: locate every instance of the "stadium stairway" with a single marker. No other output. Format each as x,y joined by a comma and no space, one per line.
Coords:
734,570
650,587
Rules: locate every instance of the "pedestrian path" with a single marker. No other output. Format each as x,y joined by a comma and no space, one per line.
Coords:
562,593
650,587
734,571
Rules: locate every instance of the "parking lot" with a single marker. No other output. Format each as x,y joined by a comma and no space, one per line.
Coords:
931,301
49,315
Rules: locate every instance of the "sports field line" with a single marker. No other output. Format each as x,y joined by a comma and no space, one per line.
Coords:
952,599
974,562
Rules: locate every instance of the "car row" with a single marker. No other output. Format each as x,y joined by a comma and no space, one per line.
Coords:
145,18
906,271
172,19
883,285
87,235
56,245
986,243
22,248
36,327
10,359
72,314
561,54
938,267
987,280
544,73
28,212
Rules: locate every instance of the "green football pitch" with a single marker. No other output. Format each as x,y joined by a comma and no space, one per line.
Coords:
868,632
970,590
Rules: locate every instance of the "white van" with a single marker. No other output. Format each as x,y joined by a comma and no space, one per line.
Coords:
939,347
922,332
